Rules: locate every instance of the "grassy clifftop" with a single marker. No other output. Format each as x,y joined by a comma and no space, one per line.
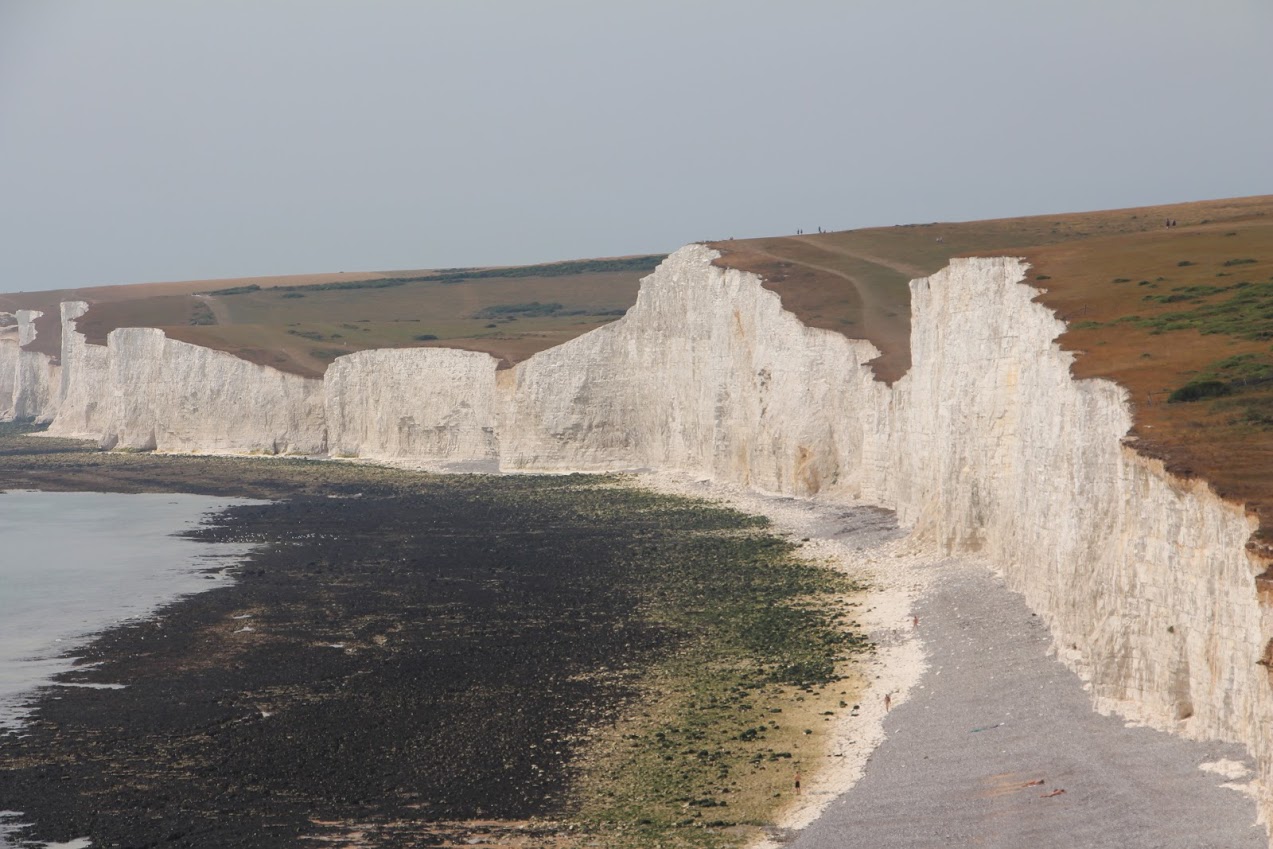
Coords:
1182,316
301,323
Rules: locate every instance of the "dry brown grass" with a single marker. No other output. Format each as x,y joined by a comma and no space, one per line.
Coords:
854,283
138,314
302,334
1201,439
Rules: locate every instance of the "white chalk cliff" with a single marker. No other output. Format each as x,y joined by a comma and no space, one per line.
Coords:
10,348
84,399
29,380
435,406
144,391
987,444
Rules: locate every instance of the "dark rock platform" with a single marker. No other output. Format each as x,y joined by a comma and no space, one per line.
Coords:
432,655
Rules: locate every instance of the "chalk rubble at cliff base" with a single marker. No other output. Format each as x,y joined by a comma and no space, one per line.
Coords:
986,445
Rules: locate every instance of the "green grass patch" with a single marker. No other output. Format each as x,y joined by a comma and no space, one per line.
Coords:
1247,313
556,269
727,721
534,309
1258,412
1199,390
455,275
1243,369
201,314
1244,385
234,290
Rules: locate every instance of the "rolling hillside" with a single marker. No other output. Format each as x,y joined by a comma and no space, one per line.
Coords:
301,323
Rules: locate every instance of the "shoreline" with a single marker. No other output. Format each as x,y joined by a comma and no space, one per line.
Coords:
865,543
81,563
905,576
1053,769
241,661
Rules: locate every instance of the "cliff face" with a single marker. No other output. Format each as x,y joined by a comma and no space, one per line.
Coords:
705,373
171,396
85,403
427,406
1144,579
28,380
143,391
987,444
8,363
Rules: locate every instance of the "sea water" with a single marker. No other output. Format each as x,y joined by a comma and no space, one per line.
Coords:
75,563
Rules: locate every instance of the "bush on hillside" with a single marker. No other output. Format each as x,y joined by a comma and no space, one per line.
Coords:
1198,391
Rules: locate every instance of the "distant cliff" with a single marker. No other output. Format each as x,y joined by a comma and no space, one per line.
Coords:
29,381
987,444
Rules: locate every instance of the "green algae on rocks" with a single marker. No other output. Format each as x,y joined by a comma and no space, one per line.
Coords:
425,659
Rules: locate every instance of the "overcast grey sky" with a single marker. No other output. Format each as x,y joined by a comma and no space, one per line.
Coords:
160,140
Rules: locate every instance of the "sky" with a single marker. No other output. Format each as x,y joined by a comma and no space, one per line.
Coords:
145,140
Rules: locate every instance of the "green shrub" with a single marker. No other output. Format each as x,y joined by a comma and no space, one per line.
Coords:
534,308
234,290
201,314
1199,390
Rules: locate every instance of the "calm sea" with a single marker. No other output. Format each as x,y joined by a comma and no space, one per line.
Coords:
75,563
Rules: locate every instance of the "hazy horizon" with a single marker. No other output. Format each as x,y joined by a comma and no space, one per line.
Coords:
155,141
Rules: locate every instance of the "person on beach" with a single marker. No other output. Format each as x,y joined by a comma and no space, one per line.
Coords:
797,782
888,701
